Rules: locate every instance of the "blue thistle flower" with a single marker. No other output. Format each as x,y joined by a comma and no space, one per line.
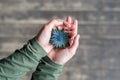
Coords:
59,38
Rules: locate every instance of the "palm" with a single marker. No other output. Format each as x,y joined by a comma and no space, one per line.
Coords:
43,38
61,55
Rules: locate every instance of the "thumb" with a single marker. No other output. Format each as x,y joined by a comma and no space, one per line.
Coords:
75,43
53,23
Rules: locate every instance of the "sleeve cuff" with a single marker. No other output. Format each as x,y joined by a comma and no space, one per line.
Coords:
37,47
50,62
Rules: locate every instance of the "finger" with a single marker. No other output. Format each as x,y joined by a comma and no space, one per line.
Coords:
69,19
71,42
60,27
75,43
75,27
68,29
71,33
66,24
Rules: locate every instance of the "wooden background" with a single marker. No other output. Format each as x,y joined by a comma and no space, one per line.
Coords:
98,56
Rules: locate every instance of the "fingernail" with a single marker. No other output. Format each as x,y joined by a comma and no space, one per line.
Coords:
78,36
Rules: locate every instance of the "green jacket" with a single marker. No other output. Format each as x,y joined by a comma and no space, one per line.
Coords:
32,55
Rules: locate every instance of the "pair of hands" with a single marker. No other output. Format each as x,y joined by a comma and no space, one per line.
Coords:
59,56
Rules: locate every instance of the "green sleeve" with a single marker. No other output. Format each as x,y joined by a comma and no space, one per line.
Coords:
47,70
21,61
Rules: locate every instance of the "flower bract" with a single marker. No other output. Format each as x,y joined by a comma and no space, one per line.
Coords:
59,38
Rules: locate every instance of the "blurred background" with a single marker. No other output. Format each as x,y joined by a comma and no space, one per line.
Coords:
98,56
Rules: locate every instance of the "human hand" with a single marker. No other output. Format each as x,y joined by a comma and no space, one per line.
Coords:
61,56
43,37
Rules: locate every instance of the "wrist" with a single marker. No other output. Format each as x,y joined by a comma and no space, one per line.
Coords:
56,59
53,62
47,47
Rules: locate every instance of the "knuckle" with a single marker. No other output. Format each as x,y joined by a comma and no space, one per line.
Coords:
55,19
46,25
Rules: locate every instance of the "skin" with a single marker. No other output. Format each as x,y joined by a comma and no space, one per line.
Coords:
43,37
59,56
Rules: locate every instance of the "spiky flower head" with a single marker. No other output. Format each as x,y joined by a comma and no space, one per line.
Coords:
59,38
